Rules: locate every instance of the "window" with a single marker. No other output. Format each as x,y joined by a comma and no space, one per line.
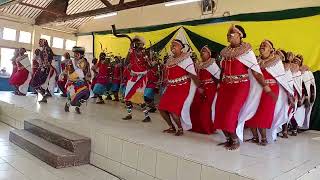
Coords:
25,37
48,38
70,44
6,56
57,42
9,34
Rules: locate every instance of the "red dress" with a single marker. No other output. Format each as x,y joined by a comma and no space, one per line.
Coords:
176,92
137,81
152,78
265,112
201,113
20,76
103,73
232,94
116,74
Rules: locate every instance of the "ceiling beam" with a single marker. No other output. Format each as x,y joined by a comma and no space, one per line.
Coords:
113,8
58,6
41,8
106,3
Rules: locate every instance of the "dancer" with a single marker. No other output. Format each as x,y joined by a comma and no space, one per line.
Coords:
299,92
63,75
152,86
116,79
310,91
102,78
236,100
181,86
22,76
202,108
94,76
289,96
275,78
14,68
40,80
77,85
137,82
82,63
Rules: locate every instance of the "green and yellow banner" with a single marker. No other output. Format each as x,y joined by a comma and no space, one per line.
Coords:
295,30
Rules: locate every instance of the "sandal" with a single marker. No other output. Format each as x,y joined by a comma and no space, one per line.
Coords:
170,130
294,133
227,143
263,142
128,117
66,107
235,144
253,140
179,132
78,110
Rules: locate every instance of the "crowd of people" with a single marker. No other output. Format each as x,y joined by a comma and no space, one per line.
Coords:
271,93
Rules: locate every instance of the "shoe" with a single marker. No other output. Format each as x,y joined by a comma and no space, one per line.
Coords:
147,119
63,95
100,102
66,107
128,117
78,110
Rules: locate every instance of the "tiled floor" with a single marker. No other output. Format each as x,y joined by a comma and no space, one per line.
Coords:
17,164
286,159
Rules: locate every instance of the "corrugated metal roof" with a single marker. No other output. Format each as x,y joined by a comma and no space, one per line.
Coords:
25,11
75,6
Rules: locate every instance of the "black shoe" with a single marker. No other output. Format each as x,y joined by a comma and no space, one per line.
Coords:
63,95
66,107
128,117
78,110
147,119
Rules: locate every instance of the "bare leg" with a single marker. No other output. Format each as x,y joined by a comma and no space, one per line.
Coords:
227,143
235,144
255,138
294,127
285,130
178,123
263,133
166,116
129,111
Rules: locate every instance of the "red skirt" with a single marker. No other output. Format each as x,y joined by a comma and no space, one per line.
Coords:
230,100
201,112
174,98
19,77
265,112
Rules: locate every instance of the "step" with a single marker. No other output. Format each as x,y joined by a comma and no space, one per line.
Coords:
66,139
50,153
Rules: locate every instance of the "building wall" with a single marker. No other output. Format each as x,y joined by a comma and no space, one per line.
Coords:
159,14
36,32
